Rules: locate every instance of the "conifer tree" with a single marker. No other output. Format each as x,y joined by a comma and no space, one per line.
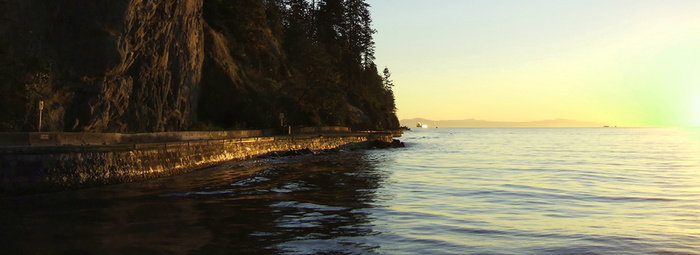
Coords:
386,79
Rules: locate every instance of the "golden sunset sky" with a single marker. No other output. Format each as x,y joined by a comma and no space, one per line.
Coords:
617,62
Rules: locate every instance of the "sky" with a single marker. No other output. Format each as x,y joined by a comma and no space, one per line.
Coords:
617,62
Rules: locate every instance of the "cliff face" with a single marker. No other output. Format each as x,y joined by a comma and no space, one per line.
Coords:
101,65
157,65
243,70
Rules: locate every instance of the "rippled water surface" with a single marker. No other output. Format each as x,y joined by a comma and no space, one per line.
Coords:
450,191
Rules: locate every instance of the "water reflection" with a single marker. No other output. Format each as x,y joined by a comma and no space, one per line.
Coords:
293,205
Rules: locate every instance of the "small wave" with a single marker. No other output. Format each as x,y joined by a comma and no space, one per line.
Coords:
249,181
478,231
308,206
548,197
292,187
321,246
265,234
198,193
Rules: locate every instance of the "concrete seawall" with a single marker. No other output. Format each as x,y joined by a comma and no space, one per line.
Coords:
30,169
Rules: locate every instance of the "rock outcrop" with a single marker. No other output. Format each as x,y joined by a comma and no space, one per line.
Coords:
116,65
160,65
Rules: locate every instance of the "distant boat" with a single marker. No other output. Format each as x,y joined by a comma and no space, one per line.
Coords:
420,125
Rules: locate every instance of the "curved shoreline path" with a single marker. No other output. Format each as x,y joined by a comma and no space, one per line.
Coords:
64,165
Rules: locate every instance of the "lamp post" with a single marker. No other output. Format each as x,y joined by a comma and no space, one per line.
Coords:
41,109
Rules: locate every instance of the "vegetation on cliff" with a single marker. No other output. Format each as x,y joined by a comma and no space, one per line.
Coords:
134,66
311,61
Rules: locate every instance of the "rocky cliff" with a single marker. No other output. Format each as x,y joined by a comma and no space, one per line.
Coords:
102,65
149,65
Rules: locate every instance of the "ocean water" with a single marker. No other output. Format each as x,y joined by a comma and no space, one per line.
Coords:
450,191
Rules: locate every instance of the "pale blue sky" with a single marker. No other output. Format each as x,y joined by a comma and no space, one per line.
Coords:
617,62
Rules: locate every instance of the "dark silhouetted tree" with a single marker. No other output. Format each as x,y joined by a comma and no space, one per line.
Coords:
326,65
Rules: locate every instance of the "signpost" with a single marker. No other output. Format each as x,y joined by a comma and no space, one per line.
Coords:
41,108
287,130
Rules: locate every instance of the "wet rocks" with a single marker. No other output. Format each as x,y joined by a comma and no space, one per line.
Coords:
383,145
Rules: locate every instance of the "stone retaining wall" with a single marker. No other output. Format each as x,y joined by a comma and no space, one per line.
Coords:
37,169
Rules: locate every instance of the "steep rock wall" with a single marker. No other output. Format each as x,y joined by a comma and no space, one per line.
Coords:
120,66
171,65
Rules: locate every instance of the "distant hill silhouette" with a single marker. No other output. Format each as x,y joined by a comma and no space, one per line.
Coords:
486,123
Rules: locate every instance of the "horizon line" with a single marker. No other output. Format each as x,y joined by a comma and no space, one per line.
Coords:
590,123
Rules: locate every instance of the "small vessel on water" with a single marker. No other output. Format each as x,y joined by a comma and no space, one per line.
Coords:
421,125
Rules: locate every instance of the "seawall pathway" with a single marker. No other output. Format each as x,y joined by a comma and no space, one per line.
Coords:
33,169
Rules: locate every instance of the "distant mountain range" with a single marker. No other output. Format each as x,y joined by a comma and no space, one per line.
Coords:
485,123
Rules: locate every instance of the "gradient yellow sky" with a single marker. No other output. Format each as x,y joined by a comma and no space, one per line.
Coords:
618,62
